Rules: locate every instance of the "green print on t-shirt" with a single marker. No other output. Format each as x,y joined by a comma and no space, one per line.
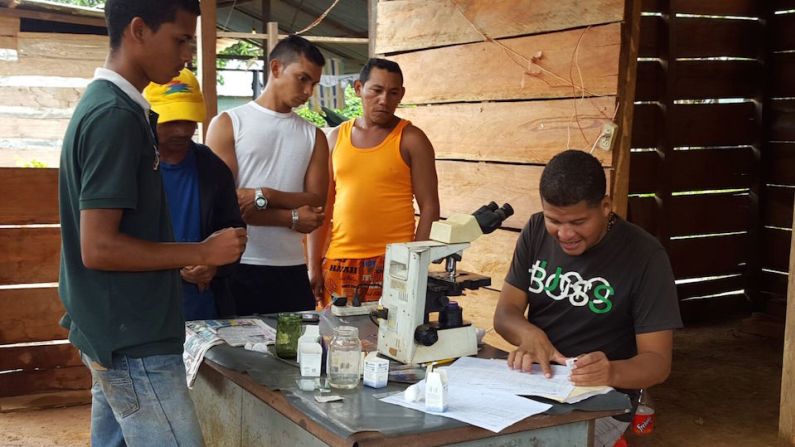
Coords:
594,292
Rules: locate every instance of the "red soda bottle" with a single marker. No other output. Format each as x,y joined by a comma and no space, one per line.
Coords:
643,422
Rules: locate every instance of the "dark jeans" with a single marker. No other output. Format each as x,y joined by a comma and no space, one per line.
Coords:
265,289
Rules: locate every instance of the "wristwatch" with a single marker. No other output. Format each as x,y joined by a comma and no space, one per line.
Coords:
260,201
293,218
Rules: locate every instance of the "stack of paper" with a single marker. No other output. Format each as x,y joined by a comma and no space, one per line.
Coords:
486,393
490,410
495,375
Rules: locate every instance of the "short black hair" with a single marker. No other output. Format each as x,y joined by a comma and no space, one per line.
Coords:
571,177
119,14
288,50
383,64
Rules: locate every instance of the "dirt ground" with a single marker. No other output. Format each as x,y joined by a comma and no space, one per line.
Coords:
723,391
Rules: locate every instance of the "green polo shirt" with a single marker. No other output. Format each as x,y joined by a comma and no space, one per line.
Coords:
108,162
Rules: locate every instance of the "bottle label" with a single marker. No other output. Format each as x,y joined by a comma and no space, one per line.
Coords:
344,362
643,422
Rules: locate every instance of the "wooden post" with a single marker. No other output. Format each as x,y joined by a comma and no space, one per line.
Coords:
628,69
786,420
273,37
372,22
206,61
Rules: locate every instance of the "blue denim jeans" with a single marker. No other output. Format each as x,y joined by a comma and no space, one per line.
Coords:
142,402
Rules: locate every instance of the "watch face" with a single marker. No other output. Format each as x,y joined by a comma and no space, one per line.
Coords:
260,202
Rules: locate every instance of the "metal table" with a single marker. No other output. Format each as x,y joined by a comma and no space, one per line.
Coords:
246,398
235,410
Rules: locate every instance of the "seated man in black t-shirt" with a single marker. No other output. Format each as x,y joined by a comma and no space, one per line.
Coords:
599,289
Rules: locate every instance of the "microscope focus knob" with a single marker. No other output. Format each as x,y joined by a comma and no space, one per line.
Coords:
426,335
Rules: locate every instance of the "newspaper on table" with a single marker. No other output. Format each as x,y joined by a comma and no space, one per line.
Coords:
198,339
201,335
238,332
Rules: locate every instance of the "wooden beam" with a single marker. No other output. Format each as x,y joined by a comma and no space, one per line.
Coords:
207,71
31,314
485,71
9,29
57,399
22,187
627,78
464,187
786,421
372,26
272,29
30,255
413,24
516,131
315,39
53,17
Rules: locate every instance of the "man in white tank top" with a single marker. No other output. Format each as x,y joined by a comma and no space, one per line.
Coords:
280,164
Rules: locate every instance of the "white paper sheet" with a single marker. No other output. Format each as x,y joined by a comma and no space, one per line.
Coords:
495,375
493,411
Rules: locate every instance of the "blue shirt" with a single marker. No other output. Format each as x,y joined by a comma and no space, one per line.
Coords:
181,182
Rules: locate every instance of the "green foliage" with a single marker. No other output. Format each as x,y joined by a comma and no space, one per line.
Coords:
242,48
100,4
352,109
239,48
353,104
34,164
310,115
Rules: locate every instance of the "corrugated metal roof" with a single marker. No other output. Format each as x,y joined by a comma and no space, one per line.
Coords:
347,19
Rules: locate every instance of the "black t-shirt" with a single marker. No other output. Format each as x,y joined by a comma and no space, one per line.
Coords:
600,300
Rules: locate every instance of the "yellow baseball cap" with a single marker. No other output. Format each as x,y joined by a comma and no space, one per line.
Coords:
179,100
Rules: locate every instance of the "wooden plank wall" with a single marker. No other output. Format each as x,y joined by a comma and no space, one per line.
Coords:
777,187
35,358
706,177
40,83
38,367
497,110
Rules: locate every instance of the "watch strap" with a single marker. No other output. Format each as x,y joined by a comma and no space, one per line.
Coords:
293,218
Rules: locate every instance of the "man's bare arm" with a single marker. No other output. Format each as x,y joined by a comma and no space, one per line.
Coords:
533,345
317,241
104,247
315,183
649,367
422,161
221,140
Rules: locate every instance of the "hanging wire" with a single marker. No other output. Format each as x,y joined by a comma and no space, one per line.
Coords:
319,19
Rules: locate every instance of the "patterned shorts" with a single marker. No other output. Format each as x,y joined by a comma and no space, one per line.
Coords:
343,277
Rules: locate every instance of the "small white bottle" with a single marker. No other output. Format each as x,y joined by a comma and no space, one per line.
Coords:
311,335
436,390
310,353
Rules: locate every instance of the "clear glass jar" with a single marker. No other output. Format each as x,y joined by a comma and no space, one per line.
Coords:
288,330
344,355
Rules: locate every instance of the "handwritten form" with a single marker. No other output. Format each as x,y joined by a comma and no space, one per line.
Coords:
494,375
486,393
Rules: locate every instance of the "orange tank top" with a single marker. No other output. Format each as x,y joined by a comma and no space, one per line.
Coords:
374,200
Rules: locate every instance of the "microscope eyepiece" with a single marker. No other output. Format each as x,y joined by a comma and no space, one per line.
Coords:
491,216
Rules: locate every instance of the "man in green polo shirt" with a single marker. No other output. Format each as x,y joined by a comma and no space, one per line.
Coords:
119,280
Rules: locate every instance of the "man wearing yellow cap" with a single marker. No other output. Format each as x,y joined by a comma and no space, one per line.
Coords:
199,188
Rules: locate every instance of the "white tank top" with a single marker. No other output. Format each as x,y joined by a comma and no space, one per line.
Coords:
273,151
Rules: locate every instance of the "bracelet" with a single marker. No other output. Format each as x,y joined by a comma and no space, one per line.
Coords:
294,217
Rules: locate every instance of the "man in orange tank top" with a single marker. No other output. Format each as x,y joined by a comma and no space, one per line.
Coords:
379,165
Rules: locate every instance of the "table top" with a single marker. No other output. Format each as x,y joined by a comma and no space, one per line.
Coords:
321,424
361,417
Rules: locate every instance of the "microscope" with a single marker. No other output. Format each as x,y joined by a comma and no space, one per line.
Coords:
411,293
